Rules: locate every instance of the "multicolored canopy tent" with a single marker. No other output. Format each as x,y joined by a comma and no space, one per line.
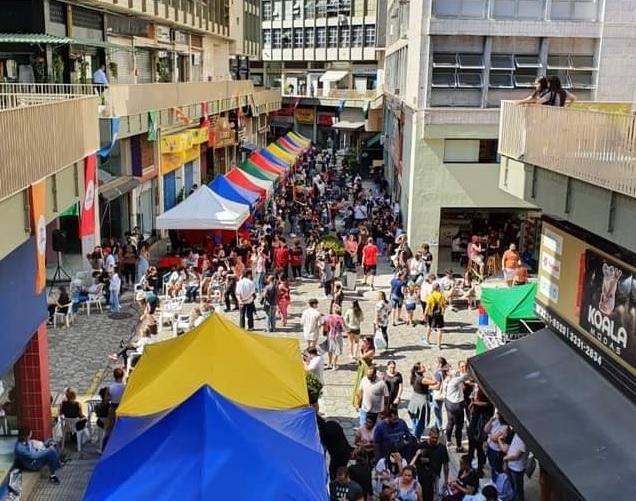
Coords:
289,140
288,145
209,448
268,155
261,161
187,431
507,306
204,210
223,187
299,139
256,171
243,179
280,152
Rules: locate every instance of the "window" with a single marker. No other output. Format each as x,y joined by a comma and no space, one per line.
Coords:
332,36
310,8
345,36
483,151
528,62
525,77
357,36
277,37
287,38
581,80
559,62
309,37
470,79
321,8
444,60
296,10
444,78
267,10
501,80
321,37
298,38
267,38
470,61
502,62
457,70
369,36
575,72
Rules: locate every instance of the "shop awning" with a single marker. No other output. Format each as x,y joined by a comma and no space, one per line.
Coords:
274,159
578,425
333,76
232,192
33,38
249,147
506,306
118,186
101,44
256,171
350,126
373,140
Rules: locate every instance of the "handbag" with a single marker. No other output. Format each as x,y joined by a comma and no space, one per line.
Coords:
81,424
531,465
378,340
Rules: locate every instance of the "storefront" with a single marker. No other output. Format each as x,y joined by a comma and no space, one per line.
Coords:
145,196
24,366
222,144
569,390
304,121
180,165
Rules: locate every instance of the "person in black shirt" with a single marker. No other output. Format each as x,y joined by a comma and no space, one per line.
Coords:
343,488
467,481
333,439
480,410
431,459
360,472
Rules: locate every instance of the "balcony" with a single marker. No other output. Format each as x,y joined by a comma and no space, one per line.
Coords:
266,101
331,97
596,147
34,128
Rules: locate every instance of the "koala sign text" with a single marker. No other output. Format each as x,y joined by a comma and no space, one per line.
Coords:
608,307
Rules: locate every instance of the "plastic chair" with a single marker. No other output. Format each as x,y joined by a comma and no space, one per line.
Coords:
67,317
69,425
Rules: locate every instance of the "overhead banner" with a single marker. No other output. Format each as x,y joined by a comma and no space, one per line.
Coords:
153,125
87,216
114,132
608,305
38,229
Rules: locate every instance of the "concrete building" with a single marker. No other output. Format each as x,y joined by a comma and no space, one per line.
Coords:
168,64
326,56
450,63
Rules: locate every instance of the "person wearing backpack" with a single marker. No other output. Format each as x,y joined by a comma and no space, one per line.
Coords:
435,306
515,461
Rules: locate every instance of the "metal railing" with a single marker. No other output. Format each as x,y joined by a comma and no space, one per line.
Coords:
351,94
47,88
594,146
40,138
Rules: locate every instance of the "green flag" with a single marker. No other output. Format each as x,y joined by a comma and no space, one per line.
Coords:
71,210
153,125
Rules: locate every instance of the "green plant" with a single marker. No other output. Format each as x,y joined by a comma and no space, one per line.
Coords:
40,70
83,67
112,69
333,242
314,387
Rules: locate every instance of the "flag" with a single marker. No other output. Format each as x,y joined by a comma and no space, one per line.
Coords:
114,132
204,109
341,104
153,125
87,215
38,229
180,115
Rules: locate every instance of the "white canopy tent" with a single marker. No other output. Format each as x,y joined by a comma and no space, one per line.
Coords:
204,210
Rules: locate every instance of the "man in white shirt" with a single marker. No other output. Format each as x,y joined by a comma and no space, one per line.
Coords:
372,396
516,458
245,293
109,260
311,322
314,363
359,212
115,289
496,428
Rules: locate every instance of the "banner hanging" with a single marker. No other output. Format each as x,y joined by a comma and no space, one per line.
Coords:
38,229
87,216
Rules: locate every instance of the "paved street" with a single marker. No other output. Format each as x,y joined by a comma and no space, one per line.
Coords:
78,358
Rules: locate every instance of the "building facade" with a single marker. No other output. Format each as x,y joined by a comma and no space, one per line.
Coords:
326,56
449,64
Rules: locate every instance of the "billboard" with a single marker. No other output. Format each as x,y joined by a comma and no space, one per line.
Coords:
608,305
588,297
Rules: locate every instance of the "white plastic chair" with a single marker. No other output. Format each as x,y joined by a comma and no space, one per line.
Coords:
169,309
180,323
66,317
69,426
95,300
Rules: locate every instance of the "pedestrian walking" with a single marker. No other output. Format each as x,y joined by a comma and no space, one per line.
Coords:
115,289
245,293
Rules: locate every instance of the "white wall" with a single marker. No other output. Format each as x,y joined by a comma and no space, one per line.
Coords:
216,54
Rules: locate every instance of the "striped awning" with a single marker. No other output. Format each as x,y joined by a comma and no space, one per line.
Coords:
33,38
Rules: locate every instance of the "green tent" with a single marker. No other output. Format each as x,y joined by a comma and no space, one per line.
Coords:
506,306
256,171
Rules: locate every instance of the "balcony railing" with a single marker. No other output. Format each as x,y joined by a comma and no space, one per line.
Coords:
267,100
350,94
594,146
140,98
50,89
40,139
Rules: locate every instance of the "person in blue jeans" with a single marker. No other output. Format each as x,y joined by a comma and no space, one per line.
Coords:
33,455
398,288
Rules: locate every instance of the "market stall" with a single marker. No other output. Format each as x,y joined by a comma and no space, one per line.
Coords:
509,315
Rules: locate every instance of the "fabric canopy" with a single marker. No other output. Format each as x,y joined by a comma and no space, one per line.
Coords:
209,448
256,171
224,188
288,145
268,155
279,152
249,369
242,178
204,210
267,166
506,306
578,425
287,138
299,139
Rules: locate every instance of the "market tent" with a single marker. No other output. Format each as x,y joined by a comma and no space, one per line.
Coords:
267,164
204,210
256,171
299,139
210,448
237,176
506,306
221,186
288,145
279,152
274,159
266,371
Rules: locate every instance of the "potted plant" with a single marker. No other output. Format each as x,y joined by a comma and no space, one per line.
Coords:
314,387
112,69
58,69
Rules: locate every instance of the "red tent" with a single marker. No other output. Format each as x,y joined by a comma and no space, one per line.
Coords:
236,176
266,165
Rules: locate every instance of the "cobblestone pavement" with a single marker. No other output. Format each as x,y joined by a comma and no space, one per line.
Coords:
78,359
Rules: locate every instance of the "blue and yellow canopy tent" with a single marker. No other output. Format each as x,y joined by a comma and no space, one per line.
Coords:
268,155
217,413
280,152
